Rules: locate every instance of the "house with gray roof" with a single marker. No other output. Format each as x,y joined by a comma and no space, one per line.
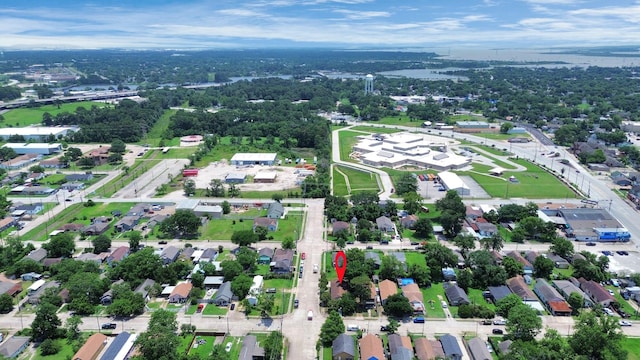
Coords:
144,288
400,347
265,255
451,347
343,348
497,293
251,350
37,255
208,255
127,223
373,256
559,262
268,223
11,348
456,295
224,295
566,288
400,256
282,261
275,210
478,349
169,255
385,224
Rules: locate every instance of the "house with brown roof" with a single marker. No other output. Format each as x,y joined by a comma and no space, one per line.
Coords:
7,223
336,290
11,288
118,254
528,268
340,226
409,221
71,227
268,223
387,288
414,295
92,347
180,293
519,287
371,348
400,347
428,349
597,292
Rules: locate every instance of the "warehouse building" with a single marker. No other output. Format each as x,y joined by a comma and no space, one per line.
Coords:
451,181
244,159
235,178
585,224
34,148
265,177
37,133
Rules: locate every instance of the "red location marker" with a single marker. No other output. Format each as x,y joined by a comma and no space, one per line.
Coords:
341,264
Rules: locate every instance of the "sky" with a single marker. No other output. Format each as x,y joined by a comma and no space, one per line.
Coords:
197,24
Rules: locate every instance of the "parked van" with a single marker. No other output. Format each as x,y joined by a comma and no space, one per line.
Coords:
353,328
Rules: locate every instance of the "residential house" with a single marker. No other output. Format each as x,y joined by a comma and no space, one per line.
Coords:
7,223
339,226
11,288
138,210
451,347
14,345
92,347
387,288
409,221
224,295
531,256
143,288
36,255
336,290
566,288
186,254
478,349
485,229
251,350
208,255
385,224
425,349
118,254
154,221
127,223
504,346
343,348
528,268
414,295
32,190
78,177
577,256
107,296
98,225
497,293
72,186
400,256
456,295
90,257
559,262
99,156
448,274
54,163
71,227
64,295
31,276
213,282
551,298
597,292
371,348
275,210
180,293
31,209
497,257
169,255
256,289
473,213
268,223
34,297
122,343
372,255
400,347
282,261
265,255
20,161
520,288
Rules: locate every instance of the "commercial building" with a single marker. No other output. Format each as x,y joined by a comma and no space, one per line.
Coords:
585,224
34,148
244,159
20,161
265,177
404,149
451,181
37,133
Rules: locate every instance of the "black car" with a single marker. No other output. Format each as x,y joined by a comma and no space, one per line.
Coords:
109,326
384,328
233,306
497,331
163,242
591,243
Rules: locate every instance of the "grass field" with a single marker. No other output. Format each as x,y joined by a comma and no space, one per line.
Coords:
347,140
66,352
500,136
399,119
31,116
222,229
432,301
155,133
212,309
357,180
535,183
632,345
375,129
339,183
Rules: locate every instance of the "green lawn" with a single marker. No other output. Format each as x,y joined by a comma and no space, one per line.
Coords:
212,309
66,352
492,150
632,345
222,229
328,266
376,129
432,302
155,133
348,139
415,258
500,136
339,183
185,342
180,153
30,116
278,283
237,346
203,349
535,183
136,170
358,180
398,119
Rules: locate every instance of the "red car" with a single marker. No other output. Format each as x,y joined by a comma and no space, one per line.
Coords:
303,256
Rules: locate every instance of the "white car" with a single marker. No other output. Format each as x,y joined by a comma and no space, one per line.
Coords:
625,323
228,347
499,322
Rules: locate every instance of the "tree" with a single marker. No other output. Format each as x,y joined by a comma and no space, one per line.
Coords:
494,242
230,269
331,328
423,228
134,240
6,303
277,197
262,232
397,305
36,169
49,347
226,207
465,243
562,247
576,301
273,345
181,223
60,245
451,223
504,305
265,304
412,202
160,341
86,162
197,279
45,325
393,326
101,243
512,266
247,258
244,237
421,274
523,323
505,127
438,257
391,268
219,352
189,187
288,243
240,285
114,159
73,327
598,336
406,184
216,188
543,267
233,191
118,147
73,153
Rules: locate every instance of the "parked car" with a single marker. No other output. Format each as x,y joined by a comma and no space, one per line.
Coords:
590,243
110,326
499,322
384,328
625,323
497,331
162,242
418,320
303,256
486,322
369,247
271,290
296,303
228,347
233,306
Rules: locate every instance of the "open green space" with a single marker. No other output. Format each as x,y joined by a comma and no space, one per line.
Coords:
348,139
212,309
176,153
399,119
534,183
501,136
154,136
204,349
236,347
339,183
632,345
375,129
125,178
358,180
432,302
33,116
492,150
66,352
222,229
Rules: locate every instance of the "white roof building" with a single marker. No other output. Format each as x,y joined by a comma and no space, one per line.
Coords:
452,181
34,148
254,159
37,133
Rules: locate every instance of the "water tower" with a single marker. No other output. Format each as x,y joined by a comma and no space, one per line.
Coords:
368,84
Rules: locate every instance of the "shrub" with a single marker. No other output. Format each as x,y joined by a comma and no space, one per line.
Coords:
49,347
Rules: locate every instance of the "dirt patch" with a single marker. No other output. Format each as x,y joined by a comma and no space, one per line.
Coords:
286,178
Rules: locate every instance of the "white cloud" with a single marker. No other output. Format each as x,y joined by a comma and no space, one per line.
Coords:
361,15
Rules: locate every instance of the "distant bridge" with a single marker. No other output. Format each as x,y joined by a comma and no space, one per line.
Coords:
102,95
